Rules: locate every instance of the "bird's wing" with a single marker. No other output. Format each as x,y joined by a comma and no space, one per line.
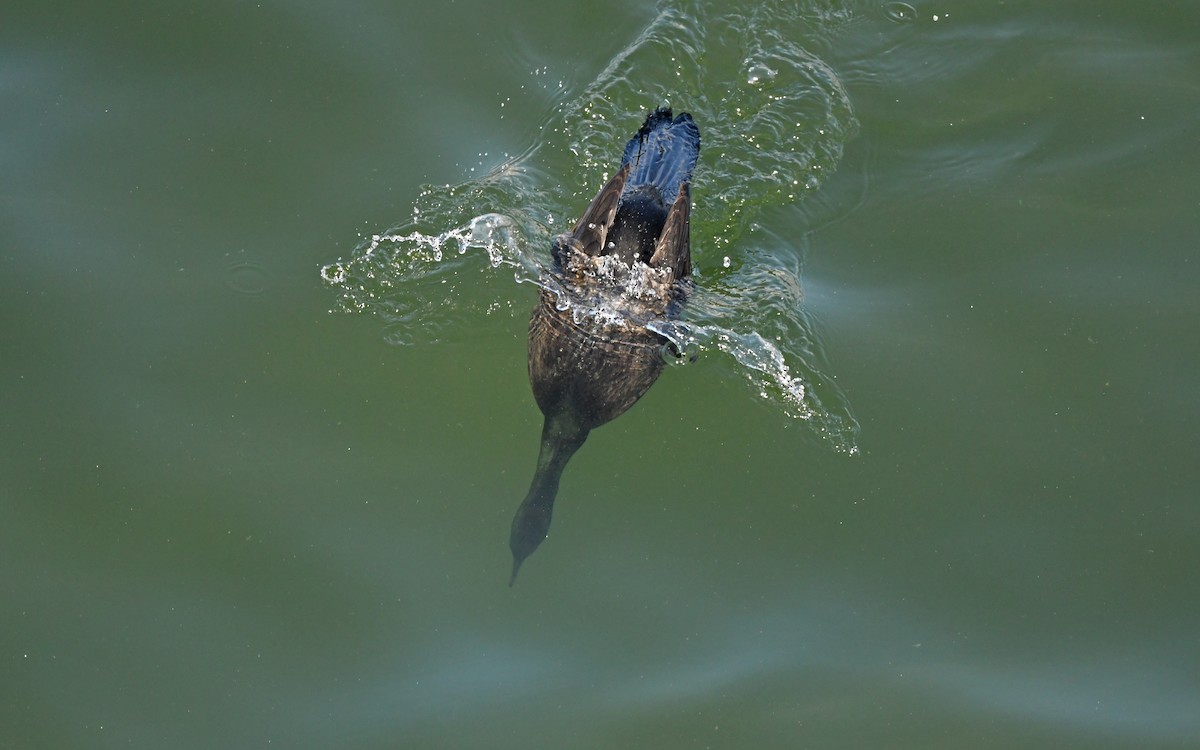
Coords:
593,226
673,249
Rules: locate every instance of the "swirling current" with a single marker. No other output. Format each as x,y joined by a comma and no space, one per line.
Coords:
774,119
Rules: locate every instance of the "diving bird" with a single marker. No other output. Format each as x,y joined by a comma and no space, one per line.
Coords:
629,256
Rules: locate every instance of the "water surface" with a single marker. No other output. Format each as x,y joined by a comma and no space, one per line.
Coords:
242,505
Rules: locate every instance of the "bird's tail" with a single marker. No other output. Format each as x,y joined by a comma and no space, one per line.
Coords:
663,153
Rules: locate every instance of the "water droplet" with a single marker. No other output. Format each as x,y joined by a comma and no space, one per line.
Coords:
900,12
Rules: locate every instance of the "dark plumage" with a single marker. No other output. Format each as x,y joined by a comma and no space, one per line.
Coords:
586,370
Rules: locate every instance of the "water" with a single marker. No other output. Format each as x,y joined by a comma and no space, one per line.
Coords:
776,119
247,501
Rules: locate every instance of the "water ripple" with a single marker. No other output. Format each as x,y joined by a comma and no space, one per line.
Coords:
774,119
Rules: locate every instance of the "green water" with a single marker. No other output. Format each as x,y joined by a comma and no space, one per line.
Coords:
232,516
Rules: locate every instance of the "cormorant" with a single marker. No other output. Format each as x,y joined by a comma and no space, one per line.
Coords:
588,369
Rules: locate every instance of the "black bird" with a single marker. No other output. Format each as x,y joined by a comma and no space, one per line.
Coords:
588,369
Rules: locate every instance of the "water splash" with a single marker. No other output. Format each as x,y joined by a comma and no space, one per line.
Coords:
774,119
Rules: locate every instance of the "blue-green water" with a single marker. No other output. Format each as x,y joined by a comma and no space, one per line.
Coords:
234,515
